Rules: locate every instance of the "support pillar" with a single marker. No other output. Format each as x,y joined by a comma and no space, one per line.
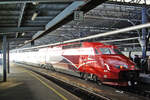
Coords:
8,66
143,40
32,43
144,33
4,58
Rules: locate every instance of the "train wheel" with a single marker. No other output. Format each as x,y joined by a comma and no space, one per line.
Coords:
46,66
51,67
98,81
94,77
81,75
41,65
85,76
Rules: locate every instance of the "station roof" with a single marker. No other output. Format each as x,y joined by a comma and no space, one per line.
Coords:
51,21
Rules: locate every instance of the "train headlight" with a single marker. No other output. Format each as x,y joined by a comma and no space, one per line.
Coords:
122,66
134,67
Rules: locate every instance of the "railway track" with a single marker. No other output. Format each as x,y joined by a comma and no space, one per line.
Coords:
86,94
139,89
142,90
78,91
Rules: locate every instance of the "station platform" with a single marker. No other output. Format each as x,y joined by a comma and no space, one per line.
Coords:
103,90
26,85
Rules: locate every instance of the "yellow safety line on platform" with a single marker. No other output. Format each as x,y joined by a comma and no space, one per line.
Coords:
59,94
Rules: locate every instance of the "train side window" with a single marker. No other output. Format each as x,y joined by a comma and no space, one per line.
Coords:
96,51
117,51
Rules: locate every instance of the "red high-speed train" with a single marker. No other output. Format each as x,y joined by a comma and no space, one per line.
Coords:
89,60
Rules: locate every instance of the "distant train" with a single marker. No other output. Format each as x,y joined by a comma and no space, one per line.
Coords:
96,61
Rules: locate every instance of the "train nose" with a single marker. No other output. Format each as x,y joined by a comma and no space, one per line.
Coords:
119,61
115,60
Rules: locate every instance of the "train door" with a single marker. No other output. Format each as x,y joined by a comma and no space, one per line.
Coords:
82,63
87,59
99,62
98,58
88,63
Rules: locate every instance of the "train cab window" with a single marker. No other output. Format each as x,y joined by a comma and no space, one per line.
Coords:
96,51
117,51
110,51
105,50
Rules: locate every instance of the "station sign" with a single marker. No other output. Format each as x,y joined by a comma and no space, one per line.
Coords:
78,15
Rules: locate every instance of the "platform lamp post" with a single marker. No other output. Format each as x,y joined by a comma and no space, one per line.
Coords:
4,46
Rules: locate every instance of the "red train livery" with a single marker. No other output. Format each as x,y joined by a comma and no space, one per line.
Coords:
89,60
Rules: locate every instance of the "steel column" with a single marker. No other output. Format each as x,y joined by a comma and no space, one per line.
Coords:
32,43
4,58
144,33
8,66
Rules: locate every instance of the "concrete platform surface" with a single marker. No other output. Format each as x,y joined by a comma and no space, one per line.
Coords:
26,85
104,90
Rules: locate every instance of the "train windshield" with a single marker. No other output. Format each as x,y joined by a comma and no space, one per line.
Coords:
109,51
105,50
117,51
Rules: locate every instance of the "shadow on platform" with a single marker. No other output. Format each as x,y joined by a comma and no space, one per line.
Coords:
15,91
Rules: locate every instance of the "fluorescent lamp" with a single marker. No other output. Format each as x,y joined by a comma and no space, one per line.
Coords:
20,44
23,33
34,16
25,41
35,3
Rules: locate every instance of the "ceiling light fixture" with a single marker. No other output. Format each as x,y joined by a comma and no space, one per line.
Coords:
20,44
25,41
35,3
23,33
34,16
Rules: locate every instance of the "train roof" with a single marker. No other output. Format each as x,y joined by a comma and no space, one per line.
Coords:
96,44
89,44
92,43
84,44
